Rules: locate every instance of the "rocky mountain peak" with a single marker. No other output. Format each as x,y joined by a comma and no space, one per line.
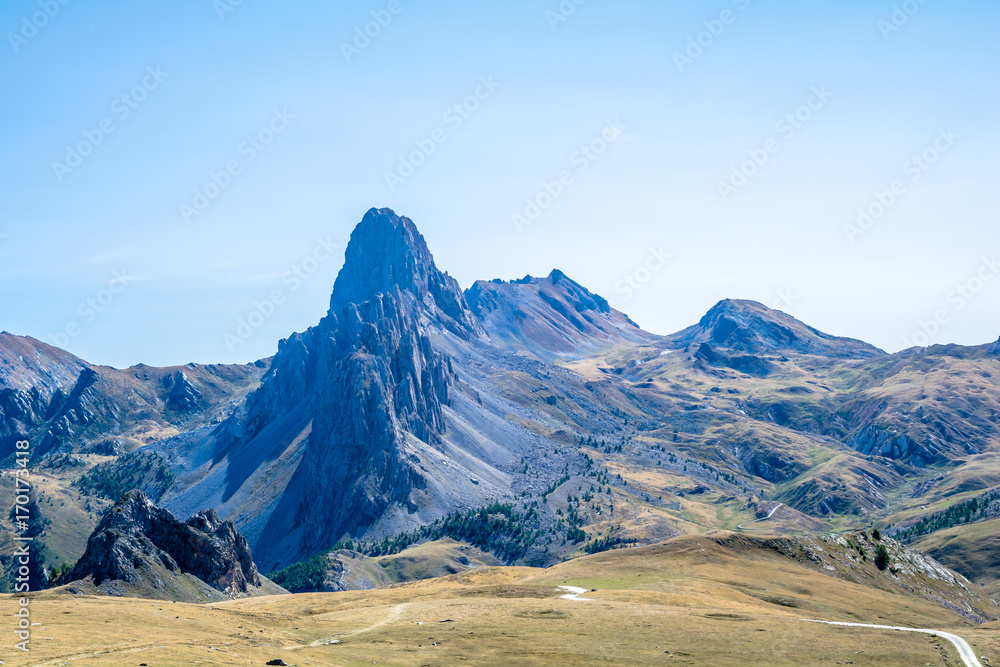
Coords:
364,384
753,328
385,251
387,255
138,543
549,317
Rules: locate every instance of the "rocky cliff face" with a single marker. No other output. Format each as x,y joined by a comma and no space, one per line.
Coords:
32,375
26,364
366,379
382,382
136,543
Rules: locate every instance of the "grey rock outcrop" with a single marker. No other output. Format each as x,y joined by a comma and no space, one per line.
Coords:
182,396
135,539
387,255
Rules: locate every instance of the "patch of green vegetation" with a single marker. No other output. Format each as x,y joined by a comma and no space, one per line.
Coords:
304,576
135,470
497,528
986,506
881,556
609,542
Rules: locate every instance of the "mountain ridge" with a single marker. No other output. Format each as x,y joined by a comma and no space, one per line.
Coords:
412,402
550,317
750,327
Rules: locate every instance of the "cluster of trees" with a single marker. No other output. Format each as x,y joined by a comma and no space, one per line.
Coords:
135,470
608,542
574,532
497,528
986,506
304,577
555,485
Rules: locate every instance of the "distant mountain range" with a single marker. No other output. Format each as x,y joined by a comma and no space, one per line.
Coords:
413,403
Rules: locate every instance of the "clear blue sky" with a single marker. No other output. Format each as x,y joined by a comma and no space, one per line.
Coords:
683,126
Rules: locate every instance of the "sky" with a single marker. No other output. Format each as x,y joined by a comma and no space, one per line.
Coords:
179,180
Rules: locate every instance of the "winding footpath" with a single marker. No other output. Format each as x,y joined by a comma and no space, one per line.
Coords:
964,650
393,616
769,515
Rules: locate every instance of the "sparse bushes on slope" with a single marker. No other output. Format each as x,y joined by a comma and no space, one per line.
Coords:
135,470
986,506
609,542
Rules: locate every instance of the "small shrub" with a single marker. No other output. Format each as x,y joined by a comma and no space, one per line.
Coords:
881,557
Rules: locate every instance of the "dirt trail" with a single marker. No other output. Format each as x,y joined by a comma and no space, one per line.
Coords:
393,616
964,650
769,515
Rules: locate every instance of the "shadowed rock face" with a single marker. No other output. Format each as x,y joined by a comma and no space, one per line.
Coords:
136,537
366,378
33,377
752,328
183,396
380,380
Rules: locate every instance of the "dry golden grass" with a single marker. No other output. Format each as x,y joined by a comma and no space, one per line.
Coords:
688,598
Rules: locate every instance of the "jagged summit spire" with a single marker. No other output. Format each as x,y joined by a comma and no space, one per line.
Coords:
385,251
386,255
